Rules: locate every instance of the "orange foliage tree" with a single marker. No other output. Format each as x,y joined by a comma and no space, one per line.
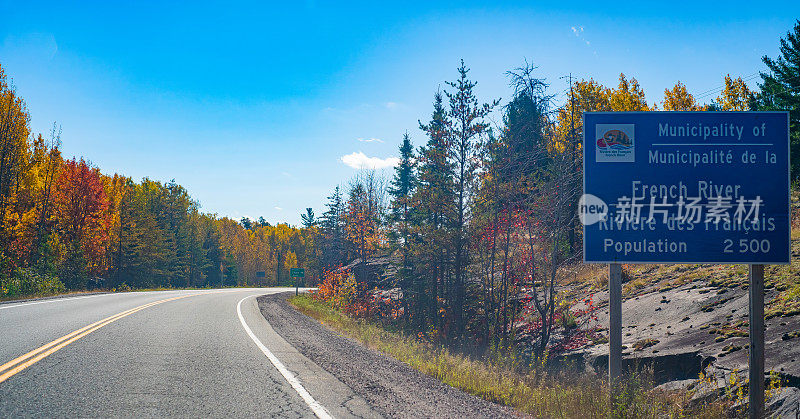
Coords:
81,206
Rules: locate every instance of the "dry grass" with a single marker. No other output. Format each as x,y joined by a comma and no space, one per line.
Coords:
502,379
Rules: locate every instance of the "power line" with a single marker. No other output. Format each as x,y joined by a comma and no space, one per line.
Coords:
718,89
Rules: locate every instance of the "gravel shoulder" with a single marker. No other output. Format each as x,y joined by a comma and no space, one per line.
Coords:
391,387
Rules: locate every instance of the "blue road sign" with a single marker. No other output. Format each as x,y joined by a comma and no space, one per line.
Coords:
686,187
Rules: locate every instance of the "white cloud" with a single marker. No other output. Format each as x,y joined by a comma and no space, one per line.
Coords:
279,208
391,105
370,140
578,31
359,160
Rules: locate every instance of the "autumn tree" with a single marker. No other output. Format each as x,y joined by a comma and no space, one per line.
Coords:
735,95
362,219
14,150
290,260
81,206
584,96
48,161
513,163
628,96
119,190
679,99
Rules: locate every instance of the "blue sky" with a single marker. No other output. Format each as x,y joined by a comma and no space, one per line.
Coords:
259,108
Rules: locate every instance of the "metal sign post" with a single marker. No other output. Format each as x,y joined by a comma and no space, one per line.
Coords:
297,273
756,371
614,322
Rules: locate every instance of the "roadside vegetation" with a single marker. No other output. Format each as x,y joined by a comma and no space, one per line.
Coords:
507,380
474,244
479,222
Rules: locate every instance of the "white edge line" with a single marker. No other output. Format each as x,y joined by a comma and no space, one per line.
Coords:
317,408
53,300
63,299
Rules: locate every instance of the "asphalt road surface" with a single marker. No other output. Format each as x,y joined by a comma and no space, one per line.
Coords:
208,353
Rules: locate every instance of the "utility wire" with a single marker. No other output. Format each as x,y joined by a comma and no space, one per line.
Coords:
718,89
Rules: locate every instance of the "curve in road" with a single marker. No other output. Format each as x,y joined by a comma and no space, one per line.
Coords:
158,354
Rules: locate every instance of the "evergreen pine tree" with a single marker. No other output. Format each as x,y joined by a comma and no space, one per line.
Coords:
401,188
333,253
308,218
468,125
780,90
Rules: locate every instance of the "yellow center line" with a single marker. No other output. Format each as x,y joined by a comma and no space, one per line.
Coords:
20,363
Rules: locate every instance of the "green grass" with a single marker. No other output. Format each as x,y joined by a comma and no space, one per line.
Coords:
502,379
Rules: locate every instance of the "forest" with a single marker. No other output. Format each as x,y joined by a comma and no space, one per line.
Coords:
67,226
479,220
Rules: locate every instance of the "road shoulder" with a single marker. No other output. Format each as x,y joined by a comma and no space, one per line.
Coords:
391,387
326,389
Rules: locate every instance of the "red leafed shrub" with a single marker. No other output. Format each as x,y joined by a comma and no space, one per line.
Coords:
344,292
386,306
340,288
572,323
331,279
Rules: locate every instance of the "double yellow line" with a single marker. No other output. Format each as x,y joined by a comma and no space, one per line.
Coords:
18,364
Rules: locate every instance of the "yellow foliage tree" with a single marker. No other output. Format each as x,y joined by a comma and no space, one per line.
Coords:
290,260
15,162
591,96
679,99
628,96
735,95
585,96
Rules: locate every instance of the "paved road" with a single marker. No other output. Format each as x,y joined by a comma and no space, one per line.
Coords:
167,353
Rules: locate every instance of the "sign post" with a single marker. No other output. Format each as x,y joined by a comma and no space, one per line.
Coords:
297,273
756,371
614,322
687,187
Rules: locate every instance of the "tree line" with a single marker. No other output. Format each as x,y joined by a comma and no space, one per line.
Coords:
65,225
480,219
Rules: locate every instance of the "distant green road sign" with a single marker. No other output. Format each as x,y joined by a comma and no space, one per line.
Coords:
297,273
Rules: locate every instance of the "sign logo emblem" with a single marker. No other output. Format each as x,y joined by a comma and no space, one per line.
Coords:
615,143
